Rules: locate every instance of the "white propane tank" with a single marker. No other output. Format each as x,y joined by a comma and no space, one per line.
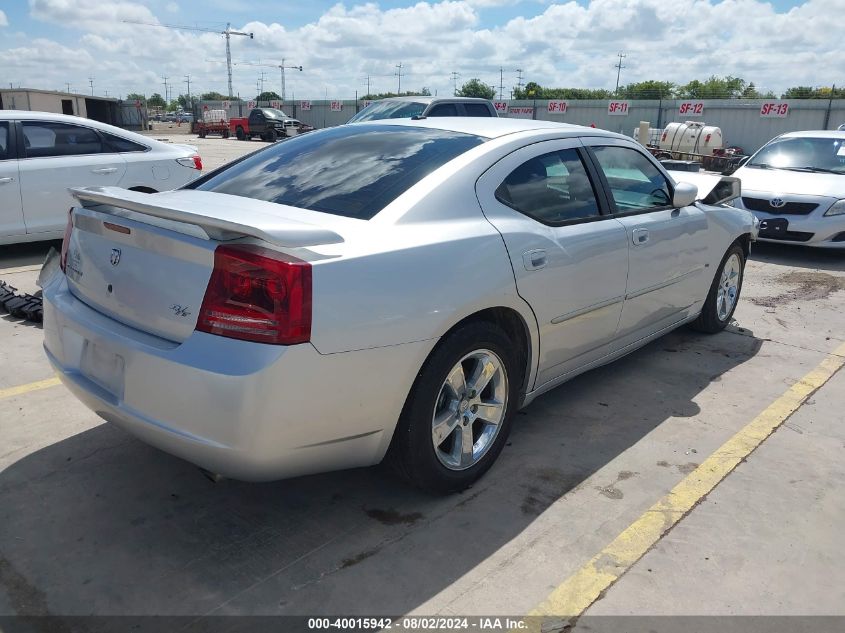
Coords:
691,137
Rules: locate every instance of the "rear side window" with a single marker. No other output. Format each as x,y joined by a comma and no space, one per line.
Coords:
4,140
119,144
443,109
635,183
353,171
552,188
46,138
477,109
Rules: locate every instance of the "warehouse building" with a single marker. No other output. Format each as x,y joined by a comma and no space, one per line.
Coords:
102,109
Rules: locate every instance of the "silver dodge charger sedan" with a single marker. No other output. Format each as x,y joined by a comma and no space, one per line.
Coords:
383,290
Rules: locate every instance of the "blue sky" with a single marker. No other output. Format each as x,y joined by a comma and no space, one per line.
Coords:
49,43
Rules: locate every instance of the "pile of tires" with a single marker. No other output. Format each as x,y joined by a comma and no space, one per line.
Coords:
21,305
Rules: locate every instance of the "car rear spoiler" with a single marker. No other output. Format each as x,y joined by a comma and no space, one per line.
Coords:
712,188
218,216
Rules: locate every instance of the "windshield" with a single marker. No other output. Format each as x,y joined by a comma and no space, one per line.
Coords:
349,170
388,109
273,113
803,154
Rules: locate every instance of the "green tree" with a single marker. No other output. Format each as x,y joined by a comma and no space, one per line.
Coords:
476,88
173,106
134,96
651,89
268,96
713,88
385,95
185,101
156,101
808,92
216,96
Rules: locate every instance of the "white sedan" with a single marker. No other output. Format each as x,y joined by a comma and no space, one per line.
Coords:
384,289
43,154
795,185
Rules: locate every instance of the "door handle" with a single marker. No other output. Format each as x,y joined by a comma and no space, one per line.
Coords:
534,260
6,180
639,236
104,170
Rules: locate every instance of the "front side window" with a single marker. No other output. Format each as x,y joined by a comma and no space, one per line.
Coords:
353,171
635,183
443,109
552,188
46,138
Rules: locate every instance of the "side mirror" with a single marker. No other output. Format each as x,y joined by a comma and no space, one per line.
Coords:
685,194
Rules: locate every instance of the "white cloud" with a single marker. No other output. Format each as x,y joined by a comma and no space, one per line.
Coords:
561,44
4,21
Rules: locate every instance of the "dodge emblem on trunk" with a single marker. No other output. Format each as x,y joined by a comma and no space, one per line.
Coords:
115,256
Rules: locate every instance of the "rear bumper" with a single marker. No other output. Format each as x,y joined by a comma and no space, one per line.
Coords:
244,410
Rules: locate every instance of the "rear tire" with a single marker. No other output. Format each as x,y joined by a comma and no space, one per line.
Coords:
723,296
271,136
454,424
240,134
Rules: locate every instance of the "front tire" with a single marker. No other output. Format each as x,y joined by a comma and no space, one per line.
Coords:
271,136
458,415
724,293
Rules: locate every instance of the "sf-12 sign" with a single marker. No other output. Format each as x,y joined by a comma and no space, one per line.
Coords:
617,108
691,108
501,106
557,107
336,106
304,105
774,110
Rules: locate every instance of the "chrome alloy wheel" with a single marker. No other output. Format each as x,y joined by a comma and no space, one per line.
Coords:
469,410
728,287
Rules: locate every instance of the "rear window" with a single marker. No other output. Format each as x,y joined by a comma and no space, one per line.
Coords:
353,171
477,109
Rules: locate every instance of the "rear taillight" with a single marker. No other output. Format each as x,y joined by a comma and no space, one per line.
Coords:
255,294
66,239
194,162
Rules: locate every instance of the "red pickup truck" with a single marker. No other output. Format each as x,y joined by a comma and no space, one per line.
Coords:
269,124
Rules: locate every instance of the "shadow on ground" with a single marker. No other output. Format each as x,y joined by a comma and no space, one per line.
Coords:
794,255
103,524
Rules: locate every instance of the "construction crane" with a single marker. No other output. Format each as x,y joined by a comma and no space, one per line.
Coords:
281,68
227,32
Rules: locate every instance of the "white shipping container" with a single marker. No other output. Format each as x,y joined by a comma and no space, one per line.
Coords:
691,137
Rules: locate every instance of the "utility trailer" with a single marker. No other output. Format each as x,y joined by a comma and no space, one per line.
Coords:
213,122
683,145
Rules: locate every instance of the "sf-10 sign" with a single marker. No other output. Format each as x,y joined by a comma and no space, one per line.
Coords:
336,106
691,108
557,107
617,108
774,109
304,105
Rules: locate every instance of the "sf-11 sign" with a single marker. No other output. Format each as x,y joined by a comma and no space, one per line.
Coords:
336,106
617,108
557,107
774,110
691,108
304,105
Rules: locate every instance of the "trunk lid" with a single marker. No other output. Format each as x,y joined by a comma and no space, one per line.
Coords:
145,259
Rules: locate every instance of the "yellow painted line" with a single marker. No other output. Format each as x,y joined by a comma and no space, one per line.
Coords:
571,598
11,392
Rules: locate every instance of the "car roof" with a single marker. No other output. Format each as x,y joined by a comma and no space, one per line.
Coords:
492,127
814,134
430,99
